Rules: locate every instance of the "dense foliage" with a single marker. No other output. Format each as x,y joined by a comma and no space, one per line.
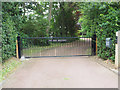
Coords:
60,19
35,29
102,19
64,23
11,24
15,21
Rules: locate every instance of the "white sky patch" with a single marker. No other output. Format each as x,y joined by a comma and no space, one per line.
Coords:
58,5
33,13
46,12
47,5
29,12
45,17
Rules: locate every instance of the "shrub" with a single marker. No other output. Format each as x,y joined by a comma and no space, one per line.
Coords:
9,35
104,20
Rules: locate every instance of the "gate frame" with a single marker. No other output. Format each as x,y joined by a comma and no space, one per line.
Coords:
18,45
94,45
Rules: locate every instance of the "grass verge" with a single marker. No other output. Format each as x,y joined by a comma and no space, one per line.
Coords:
8,67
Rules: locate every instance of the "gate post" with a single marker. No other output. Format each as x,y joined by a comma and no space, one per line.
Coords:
94,44
117,50
18,47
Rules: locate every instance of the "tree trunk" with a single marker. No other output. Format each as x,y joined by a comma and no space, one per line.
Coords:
24,10
49,17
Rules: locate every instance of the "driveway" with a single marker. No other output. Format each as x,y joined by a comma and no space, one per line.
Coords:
62,72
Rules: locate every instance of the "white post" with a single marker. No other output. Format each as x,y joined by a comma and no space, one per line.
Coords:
117,50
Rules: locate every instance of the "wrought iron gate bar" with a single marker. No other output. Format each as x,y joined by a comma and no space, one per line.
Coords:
56,46
50,37
55,56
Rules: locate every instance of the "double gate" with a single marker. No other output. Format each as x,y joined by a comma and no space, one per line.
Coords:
55,46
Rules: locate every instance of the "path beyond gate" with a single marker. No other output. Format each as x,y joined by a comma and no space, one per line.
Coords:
31,47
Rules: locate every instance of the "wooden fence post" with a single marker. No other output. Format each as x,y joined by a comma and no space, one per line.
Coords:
18,47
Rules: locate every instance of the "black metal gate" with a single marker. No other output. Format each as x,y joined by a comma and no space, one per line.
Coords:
56,46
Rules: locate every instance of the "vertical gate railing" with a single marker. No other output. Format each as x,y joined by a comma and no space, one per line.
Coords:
56,46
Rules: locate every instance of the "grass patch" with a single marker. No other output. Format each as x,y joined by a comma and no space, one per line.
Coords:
8,67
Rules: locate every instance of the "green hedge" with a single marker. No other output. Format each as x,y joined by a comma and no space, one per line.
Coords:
12,23
8,38
104,20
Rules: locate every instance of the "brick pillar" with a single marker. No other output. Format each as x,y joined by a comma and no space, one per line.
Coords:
117,50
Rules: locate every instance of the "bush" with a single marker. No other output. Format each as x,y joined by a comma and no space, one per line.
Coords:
9,35
36,28
104,20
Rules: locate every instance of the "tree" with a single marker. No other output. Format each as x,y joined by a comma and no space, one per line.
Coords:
64,21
